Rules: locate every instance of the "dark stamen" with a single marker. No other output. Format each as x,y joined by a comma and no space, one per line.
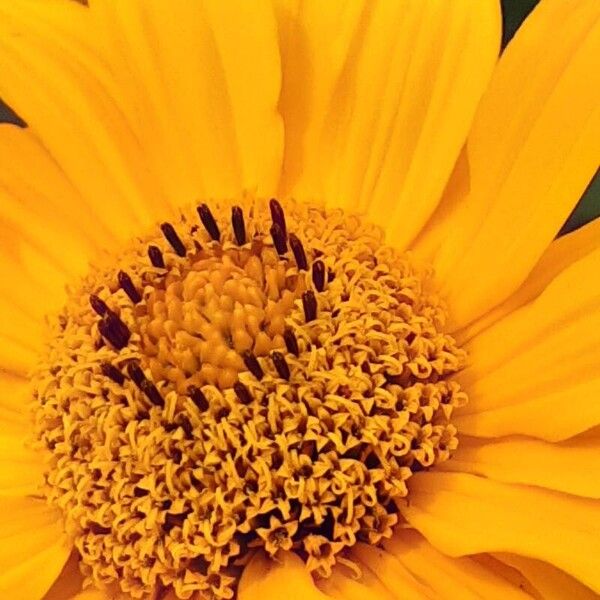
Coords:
242,393
209,222
239,228
198,397
112,373
173,239
136,374
278,216
318,275
278,239
156,257
309,303
99,306
291,343
151,392
281,365
128,287
299,254
252,364
114,330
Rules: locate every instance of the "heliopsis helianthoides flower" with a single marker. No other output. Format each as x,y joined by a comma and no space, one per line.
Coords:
282,312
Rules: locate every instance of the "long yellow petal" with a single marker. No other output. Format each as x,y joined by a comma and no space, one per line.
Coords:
30,285
152,104
545,352
344,587
69,582
65,103
205,78
96,595
560,256
49,233
33,548
448,577
552,416
533,148
377,99
394,576
464,514
21,468
265,579
571,467
550,582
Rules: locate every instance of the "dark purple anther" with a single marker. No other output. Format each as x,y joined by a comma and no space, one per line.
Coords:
135,373
291,343
156,257
318,275
112,373
239,228
277,215
209,222
173,239
98,306
242,393
281,365
114,330
198,398
151,392
253,365
127,286
299,254
309,303
278,239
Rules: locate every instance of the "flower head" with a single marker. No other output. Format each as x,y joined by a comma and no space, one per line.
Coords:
281,310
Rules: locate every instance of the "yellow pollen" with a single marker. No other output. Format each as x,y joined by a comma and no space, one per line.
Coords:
249,376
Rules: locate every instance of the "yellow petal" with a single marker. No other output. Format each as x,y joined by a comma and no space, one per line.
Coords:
14,357
33,548
391,572
21,468
552,416
265,579
569,306
377,99
50,195
14,395
343,586
560,256
571,467
164,102
69,583
463,514
532,150
205,81
75,117
545,352
44,210
550,582
97,595
30,280
48,234
27,289
20,339
449,578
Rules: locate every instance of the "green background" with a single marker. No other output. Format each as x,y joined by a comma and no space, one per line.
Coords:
514,11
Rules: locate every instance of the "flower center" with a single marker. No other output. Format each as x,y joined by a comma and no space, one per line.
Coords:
245,378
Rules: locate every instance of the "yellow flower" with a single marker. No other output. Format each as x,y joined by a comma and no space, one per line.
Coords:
268,398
